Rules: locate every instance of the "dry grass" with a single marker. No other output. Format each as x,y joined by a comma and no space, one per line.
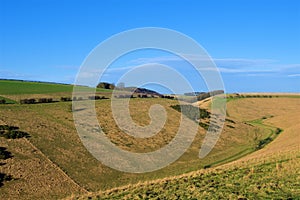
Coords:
272,172
53,134
35,176
285,114
273,177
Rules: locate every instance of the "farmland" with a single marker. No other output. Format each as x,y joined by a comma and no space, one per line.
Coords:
52,162
271,172
14,91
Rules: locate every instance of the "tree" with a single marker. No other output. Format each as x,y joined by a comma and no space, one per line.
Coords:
106,85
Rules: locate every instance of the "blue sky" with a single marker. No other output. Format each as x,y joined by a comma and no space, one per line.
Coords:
254,43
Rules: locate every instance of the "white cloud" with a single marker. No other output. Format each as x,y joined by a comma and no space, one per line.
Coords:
231,65
294,75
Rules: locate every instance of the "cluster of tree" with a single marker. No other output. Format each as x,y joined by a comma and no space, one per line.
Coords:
146,91
195,114
27,101
45,100
124,96
96,97
192,112
33,101
62,99
214,127
105,85
262,143
143,96
167,97
132,96
205,95
193,93
2,101
251,96
65,99
77,98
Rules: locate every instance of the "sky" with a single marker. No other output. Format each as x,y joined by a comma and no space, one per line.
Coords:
255,44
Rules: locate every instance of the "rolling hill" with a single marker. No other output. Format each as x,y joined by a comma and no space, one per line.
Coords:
272,172
52,163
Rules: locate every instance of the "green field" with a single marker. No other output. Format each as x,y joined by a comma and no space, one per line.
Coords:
8,87
8,101
13,91
22,87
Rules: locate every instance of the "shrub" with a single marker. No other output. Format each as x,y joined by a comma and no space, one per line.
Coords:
230,126
45,100
27,101
207,166
12,132
105,85
204,125
65,99
4,177
192,112
4,154
229,120
167,97
8,128
263,143
278,131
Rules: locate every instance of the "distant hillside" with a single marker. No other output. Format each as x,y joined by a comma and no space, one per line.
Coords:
26,87
134,90
142,91
193,97
271,172
17,87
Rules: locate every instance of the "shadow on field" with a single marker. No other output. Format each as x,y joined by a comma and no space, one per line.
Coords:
4,154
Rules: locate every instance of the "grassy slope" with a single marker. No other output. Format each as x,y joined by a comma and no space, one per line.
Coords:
13,91
8,87
272,172
273,178
53,132
54,135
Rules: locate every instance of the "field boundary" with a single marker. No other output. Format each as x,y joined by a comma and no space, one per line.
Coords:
56,166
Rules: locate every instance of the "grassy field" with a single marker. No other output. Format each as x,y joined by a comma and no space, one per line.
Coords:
53,163
53,134
13,91
272,172
8,87
272,178
7,101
